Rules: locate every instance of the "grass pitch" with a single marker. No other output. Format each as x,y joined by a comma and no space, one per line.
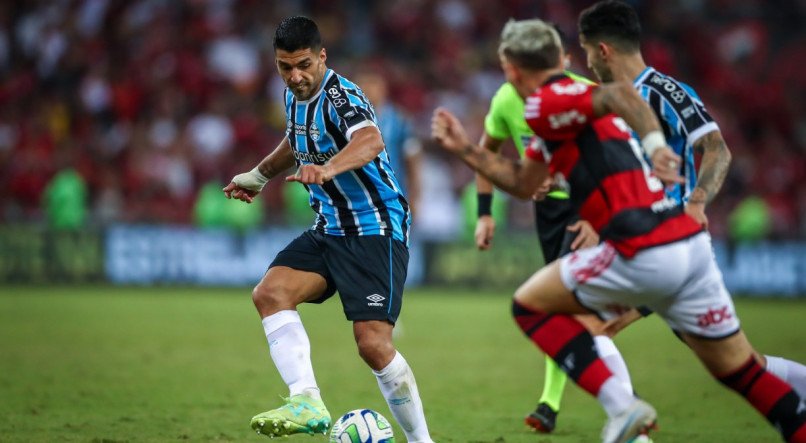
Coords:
107,364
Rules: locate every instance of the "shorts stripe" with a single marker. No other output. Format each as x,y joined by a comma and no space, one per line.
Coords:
596,265
391,278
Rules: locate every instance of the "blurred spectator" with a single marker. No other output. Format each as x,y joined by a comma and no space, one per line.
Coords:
750,221
152,99
402,146
212,211
66,200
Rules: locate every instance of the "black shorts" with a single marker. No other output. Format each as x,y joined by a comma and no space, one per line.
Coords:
552,217
367,271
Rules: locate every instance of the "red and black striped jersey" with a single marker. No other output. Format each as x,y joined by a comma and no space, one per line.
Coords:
610,183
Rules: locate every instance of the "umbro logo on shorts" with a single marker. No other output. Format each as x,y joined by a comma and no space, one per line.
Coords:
375,300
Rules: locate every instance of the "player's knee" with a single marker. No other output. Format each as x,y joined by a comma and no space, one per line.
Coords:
270,293
375,350
525,295
520,295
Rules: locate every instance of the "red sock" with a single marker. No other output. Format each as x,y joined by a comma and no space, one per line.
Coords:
772,397
567,341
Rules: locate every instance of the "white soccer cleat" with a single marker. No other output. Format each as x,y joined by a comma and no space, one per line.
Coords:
623,428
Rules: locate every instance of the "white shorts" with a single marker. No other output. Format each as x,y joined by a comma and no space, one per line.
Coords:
679,281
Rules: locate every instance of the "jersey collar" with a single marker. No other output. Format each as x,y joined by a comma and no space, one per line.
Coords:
643,75
554,78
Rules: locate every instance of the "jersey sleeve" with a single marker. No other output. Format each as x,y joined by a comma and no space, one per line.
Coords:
495,124
560,110
350,110
679,107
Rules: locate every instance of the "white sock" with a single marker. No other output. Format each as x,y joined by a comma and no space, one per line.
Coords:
400,391
291,352
614,397
613,359
789,371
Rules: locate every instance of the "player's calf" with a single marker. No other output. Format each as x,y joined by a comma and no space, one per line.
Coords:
772,397
565,340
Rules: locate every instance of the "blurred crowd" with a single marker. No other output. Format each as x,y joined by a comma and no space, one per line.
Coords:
136,105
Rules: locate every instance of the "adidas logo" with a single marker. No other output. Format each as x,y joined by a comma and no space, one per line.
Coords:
569,363
375,300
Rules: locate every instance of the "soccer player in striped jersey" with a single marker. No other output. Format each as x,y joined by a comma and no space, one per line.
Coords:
610,34
356,246
560,231
585,138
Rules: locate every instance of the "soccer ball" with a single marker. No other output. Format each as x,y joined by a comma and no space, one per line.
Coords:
362,426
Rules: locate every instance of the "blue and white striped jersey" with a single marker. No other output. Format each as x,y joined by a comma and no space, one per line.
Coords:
683,118
365,201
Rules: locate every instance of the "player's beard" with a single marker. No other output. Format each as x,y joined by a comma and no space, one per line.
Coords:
302,91
601,71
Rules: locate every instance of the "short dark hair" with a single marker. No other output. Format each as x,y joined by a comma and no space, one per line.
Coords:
295,33
563,36
614,22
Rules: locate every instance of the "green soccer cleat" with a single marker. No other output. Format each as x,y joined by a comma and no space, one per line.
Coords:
300,415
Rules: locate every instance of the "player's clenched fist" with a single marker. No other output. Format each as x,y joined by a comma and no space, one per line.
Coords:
311,175
448,131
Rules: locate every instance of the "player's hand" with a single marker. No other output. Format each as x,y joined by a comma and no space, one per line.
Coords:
448,131
613,326
697,211
666,166
234,191
311,174
543,190
586,236
485,230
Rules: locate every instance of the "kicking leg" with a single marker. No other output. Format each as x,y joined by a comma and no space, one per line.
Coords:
395,377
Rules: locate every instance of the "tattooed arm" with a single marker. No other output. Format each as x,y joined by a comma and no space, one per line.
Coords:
621,99
713,169
517,177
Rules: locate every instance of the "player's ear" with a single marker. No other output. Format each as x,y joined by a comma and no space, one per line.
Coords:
604,50
322,55
511,72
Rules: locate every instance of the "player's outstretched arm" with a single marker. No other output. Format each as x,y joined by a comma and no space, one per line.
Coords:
620,98
714,167
247,185
365,144
517,177
485,224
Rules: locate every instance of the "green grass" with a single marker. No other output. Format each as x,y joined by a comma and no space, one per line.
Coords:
106,364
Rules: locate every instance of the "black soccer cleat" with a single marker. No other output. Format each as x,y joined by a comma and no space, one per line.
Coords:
543,419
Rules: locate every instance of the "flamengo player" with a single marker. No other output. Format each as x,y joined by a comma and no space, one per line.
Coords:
613,187
610,33
559,230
